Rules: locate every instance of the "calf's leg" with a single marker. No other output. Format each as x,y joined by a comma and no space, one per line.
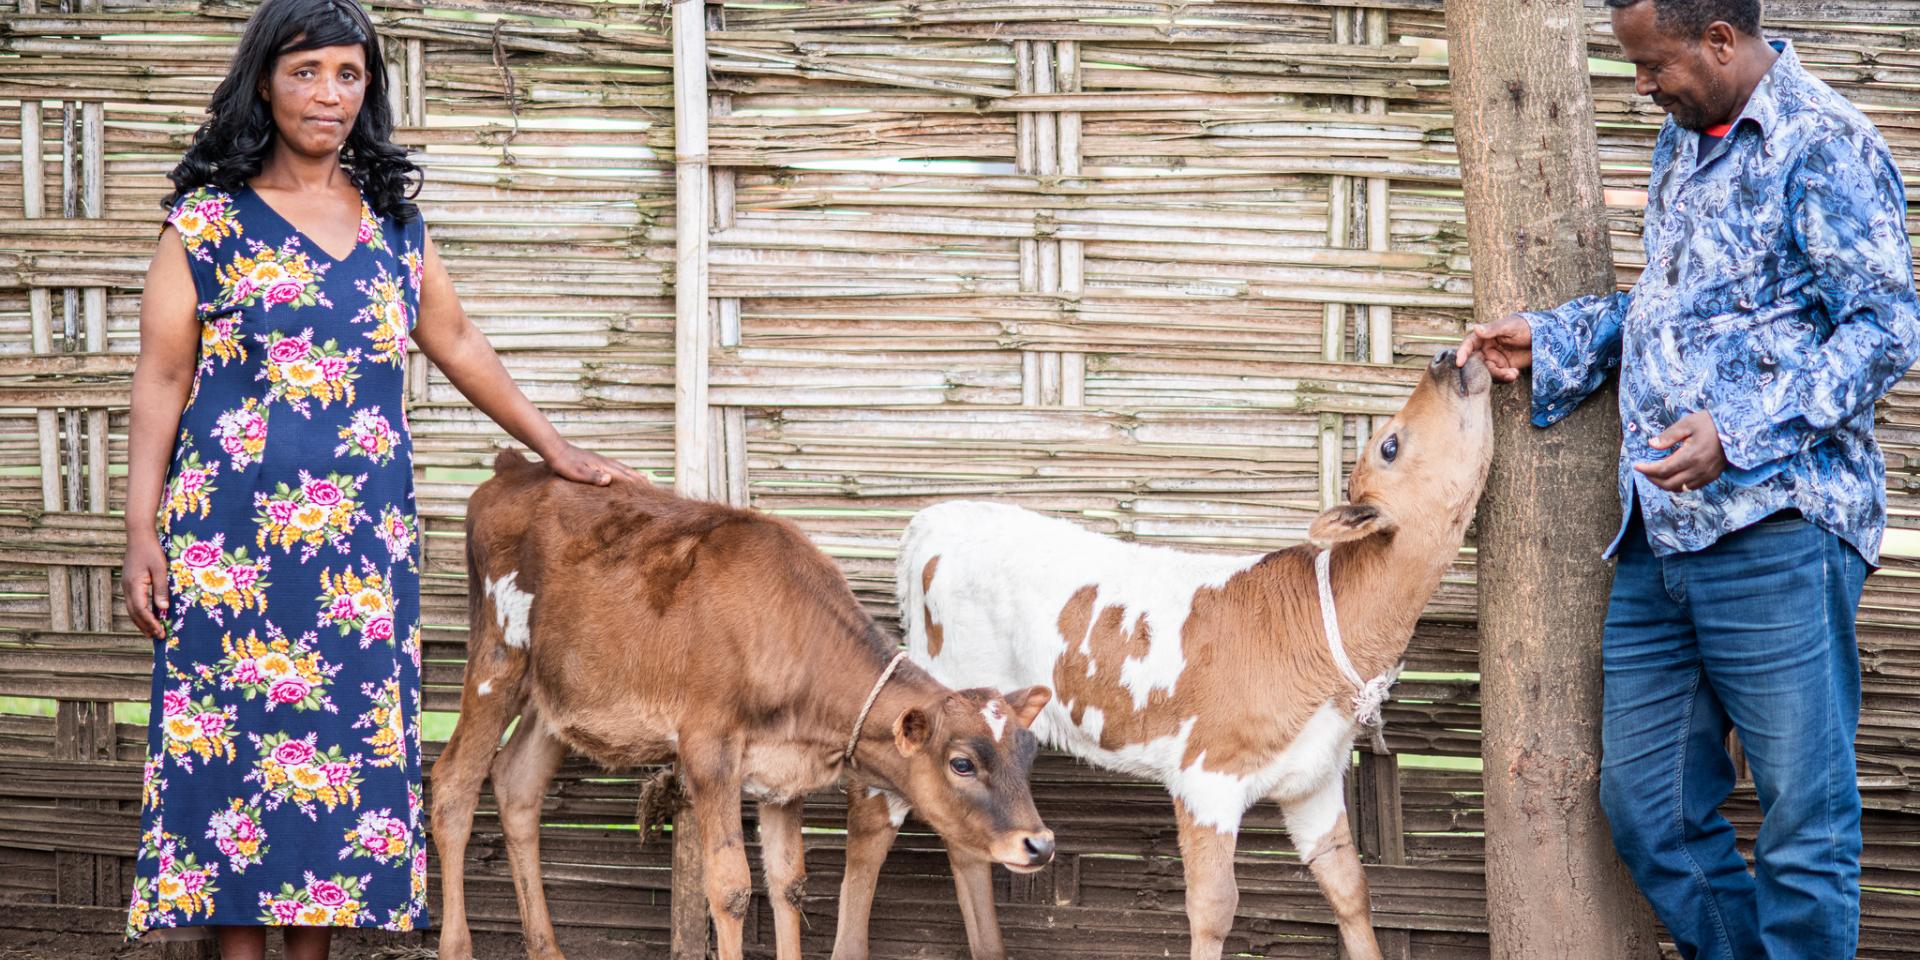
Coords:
1318,825
521,775
870,833
973,883
457,777
783,857
711,770
1212,894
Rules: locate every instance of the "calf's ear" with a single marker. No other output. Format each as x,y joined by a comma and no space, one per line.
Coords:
911,730
1349,521
1026,703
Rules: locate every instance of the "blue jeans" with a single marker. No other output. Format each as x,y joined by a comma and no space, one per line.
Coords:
1754,633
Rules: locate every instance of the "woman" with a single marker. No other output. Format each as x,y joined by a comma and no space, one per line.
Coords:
271,539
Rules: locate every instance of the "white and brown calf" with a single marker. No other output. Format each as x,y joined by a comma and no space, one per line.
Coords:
635,626
1210,674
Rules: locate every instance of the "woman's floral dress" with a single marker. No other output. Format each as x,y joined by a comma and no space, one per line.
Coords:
283,757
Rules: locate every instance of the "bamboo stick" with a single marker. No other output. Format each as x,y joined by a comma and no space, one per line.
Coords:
692,327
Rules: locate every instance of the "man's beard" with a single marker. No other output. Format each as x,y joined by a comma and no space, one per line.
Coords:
1697,117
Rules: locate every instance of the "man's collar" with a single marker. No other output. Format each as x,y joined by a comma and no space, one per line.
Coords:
1763,105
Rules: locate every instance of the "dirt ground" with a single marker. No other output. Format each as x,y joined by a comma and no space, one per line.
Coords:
35,945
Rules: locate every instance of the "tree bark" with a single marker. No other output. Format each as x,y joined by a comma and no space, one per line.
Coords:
1536,226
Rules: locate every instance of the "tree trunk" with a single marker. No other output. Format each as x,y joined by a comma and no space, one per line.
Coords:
1537,231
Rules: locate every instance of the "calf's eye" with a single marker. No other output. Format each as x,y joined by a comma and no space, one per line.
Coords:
1389,448
961,766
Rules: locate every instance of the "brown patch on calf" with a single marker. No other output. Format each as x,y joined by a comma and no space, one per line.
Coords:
936,636
1250,691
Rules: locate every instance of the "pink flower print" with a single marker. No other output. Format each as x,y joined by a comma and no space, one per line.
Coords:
281,511
333,368
256,427
289,350
174,702
342,608
192,480
286,291
246,672
232,444
337,773
293,753
227,846
286,911
211,723
327,893
246,829
380,627
201,555
366,231
194,880
290,690
320,492
244,575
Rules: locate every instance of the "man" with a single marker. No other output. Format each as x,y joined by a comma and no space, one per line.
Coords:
1776,306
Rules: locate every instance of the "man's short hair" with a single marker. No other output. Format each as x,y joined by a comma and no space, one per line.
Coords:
1690,18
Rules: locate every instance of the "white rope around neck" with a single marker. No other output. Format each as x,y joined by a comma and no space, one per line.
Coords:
853,739
1369,695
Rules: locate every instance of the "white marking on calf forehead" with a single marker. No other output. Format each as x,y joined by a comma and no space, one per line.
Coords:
486,687
512,609
996,720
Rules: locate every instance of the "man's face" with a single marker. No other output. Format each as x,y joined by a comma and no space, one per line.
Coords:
1688,77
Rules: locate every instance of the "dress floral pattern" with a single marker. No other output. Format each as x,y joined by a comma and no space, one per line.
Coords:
286,693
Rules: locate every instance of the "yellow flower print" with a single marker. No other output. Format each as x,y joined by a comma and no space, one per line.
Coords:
362,601
206,574
270,276
204,217
320,512
191,487
388,314
196,728
298,370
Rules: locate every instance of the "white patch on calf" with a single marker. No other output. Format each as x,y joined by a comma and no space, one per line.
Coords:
1216,799
512,609
1311,818
1006,574
485,687
996,721
897,805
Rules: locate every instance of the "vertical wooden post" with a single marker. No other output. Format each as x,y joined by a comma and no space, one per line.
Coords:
1536,225
693,324
693,420
729,457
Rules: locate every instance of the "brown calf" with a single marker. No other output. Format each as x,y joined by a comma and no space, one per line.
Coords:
636,626
1211,674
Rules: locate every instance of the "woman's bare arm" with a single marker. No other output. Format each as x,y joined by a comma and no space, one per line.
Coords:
449,338
169,346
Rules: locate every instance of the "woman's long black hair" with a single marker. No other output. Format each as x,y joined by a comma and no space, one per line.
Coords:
229,148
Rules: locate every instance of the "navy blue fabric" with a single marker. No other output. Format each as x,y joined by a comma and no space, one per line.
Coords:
283,776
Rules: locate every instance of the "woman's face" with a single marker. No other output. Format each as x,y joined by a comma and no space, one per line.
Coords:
315,96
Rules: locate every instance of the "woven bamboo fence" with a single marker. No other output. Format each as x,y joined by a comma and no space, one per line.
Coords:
1156,266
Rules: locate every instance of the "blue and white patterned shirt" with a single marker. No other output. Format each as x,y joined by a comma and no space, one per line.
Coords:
1778,296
